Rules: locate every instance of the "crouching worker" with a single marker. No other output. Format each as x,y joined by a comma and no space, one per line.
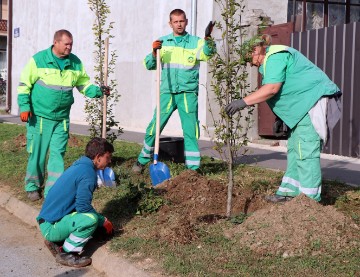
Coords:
67,214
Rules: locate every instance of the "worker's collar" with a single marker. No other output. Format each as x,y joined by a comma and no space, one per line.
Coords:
185,37
51,59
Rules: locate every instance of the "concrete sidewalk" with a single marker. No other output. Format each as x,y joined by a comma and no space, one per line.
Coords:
102,260
344,169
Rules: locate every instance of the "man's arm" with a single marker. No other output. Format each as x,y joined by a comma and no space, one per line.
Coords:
27,80
85,87
84,196
262,94
150,60
208,46
206,49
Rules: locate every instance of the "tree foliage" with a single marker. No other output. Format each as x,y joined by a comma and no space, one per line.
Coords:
229,82
94,107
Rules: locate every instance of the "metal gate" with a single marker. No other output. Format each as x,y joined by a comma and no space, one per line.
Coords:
280,34
336,50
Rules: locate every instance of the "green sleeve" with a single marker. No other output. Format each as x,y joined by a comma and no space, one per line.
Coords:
93,91
101,220
28,78
150,62
209,47
85,87
276,68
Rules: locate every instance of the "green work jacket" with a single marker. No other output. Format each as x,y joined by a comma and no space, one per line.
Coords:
303,83
180,62
47,91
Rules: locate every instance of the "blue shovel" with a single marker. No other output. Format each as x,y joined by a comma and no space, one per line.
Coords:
159,172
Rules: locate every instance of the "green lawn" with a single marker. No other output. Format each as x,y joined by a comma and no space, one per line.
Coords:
133,207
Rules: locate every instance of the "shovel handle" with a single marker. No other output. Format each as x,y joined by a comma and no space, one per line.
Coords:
157,135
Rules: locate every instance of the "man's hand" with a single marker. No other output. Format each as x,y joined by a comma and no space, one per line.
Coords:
108,227
105,90
24,116
235,106
156,45
209,29
104,232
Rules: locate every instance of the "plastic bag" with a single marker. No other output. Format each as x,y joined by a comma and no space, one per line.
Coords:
106,177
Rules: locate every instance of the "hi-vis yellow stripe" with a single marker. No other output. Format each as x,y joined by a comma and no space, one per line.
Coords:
41,125
273,49
186,103
177,54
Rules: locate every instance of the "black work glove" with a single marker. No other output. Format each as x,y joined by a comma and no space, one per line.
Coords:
156,45
105,90
235,106
209,29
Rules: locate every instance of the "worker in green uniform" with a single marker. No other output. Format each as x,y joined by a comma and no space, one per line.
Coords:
180,55
67,216
45,96
302,96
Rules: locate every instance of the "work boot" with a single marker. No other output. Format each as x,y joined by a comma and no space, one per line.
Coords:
275,198
53,247
72,259
138,167
33,195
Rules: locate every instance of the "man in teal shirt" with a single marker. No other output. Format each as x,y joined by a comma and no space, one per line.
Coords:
299,93
67,216
180,54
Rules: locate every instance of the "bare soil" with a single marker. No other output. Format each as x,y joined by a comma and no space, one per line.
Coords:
299,226
20,142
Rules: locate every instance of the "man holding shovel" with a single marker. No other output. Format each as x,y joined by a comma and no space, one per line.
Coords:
180,55
45,96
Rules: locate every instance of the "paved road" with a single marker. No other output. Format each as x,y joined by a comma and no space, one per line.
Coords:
23,253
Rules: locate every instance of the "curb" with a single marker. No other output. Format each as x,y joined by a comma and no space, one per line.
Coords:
102,260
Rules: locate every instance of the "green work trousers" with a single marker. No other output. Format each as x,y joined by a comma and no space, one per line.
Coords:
74,229
187,106
303,173
44,134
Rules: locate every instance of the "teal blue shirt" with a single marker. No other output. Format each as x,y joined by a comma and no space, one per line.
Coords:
60,62
72,192
303,83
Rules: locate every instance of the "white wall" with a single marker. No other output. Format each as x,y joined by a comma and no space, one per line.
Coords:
276,9
137,24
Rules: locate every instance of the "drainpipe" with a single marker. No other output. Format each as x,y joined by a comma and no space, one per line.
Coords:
9,56
193,16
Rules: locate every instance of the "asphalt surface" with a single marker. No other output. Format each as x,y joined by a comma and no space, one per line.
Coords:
24,254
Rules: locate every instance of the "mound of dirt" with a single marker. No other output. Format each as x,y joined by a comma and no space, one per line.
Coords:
299,225
292,228
73,141
20,142
192,198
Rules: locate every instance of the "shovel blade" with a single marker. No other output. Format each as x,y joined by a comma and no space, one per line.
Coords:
159,173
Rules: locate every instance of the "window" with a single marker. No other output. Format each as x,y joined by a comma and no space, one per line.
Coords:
314,14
